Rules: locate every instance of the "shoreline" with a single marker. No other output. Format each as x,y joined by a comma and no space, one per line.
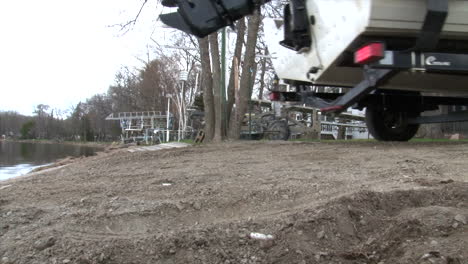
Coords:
110,148
37,171
102,145
61,163
101,148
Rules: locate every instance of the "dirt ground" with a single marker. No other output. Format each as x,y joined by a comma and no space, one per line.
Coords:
348,202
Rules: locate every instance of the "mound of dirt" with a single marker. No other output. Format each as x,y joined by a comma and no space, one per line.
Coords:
244,203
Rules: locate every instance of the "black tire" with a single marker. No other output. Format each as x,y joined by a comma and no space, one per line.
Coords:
388,125
278,130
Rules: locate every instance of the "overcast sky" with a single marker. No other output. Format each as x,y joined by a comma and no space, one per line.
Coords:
58,52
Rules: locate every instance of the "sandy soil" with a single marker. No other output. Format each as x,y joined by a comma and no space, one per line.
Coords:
360,202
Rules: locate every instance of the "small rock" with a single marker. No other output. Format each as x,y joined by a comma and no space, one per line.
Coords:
83,260
460,218
446,181
266,244
321,234
285,196
180,206
370,240
197,205
432,254
317,257
5,260
65,261
434,243
44,243
345,224
172,251
455,225
102,257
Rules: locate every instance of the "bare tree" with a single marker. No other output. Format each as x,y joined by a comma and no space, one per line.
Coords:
184,55
246,77
236,59
207,84
11,123
216,68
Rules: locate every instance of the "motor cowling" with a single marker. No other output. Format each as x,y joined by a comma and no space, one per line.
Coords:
203,17
296,26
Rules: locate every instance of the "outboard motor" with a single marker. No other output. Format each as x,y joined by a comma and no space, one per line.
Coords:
297,26
203,17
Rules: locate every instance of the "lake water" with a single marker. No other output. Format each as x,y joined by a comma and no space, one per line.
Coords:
18,158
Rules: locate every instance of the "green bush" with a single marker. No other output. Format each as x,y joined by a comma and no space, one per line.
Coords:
27,130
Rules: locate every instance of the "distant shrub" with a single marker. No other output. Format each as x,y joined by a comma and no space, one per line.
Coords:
27,130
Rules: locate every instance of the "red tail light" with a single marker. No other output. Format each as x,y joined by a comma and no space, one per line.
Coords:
275,96
370,53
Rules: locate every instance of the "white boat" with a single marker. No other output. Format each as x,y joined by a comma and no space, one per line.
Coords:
342,26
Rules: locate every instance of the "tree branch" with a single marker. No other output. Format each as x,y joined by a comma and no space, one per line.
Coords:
125,27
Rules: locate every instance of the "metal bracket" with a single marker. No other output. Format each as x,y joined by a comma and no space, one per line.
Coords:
437,12
372,78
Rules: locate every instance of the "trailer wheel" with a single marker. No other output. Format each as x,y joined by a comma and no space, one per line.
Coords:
278,130
390,125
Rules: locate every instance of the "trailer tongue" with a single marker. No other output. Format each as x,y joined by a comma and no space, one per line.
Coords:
390,54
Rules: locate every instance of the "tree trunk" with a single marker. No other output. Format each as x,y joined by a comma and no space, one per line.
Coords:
207,84
246,77
254,75
216,67
237,54
262,77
